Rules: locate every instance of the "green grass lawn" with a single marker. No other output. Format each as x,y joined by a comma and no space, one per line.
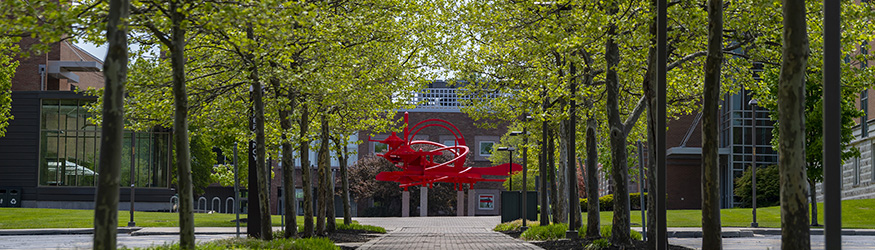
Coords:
24,218
855,214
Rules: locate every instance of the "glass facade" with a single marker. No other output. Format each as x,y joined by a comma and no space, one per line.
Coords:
736,128
70,149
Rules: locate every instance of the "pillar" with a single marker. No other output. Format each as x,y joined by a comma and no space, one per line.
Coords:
460,203
423,201
405,203
472,201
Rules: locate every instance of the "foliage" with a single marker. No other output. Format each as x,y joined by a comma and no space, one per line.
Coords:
605,232
547,232
851,87
598,244
356,226
202,161
7,71
512,225
386,195
768,187
251,243
606,203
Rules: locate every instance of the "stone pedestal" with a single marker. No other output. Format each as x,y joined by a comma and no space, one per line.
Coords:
472,202
405,203
460,203
423,202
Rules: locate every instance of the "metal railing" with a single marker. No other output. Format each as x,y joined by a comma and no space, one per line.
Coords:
441,100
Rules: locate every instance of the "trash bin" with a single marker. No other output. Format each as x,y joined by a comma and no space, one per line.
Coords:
3,197
13,197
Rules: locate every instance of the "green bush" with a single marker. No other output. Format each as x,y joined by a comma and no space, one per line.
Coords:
548,232
605,231
768,187
598,244
635,198
512,225
606,203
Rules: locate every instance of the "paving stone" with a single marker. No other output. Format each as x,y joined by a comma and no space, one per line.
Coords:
413,233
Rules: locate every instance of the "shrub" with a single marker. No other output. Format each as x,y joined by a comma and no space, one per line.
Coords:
635,199
598,244
548,232
768,187
606,203
512,225
605,231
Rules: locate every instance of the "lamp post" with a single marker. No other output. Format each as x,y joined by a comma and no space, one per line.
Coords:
525,168
509,166
753,136
133,152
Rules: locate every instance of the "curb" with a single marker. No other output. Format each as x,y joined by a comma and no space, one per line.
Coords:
13,232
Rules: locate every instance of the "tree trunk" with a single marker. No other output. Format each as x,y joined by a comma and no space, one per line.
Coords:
649,88
331,220
344,181
710,111
593,220
289,200
620,170
812,188
542,164
260,164
791,149
570,132
115,71
562,177
307,176
180,130
322,163
558,212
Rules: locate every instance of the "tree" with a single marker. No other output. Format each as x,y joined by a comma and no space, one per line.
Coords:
791,105
7,71
115,70
711,227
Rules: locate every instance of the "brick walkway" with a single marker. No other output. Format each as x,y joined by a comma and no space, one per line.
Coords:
412,233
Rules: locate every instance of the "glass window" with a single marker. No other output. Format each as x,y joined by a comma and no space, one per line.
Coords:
487,202
864,105
857,171
380,147
70,145
486,148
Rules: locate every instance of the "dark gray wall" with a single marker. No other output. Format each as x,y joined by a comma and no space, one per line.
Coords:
19,155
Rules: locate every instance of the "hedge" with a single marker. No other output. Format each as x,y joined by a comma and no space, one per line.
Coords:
606,203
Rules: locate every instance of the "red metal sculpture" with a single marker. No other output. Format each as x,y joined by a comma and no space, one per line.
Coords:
418,166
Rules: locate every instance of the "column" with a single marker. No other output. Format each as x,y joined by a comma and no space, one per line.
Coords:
472,202
423,201
460,203
405,203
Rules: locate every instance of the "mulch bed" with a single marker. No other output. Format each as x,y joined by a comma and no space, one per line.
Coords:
567,244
